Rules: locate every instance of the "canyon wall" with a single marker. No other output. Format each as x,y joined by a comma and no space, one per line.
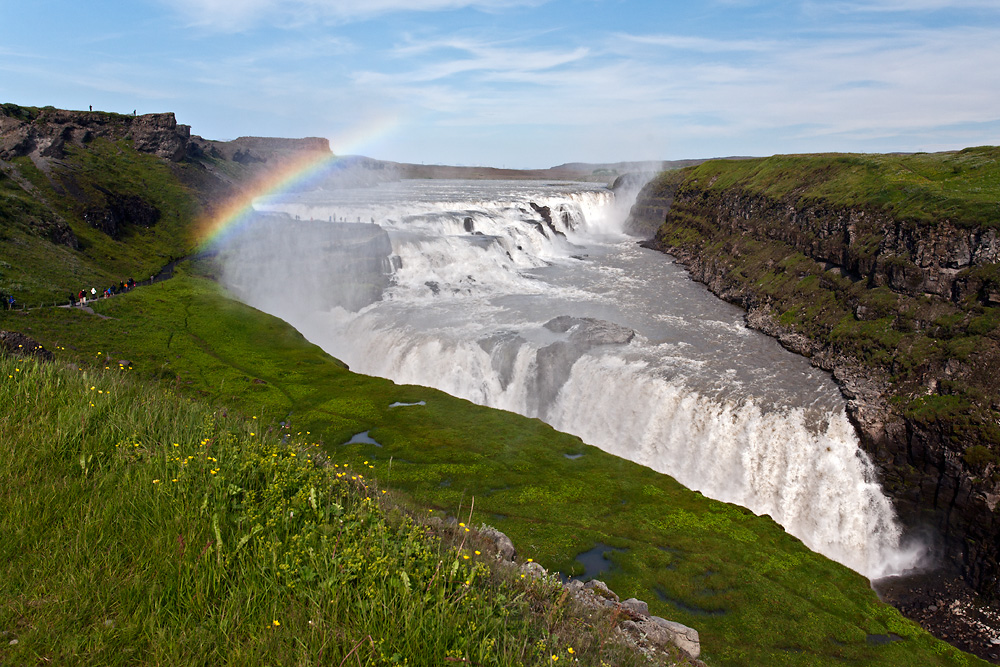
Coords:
902,311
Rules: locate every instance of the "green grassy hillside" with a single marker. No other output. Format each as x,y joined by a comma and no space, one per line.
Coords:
142,529
756,594
35,206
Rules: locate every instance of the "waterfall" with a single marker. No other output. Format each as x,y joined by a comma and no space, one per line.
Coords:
527,297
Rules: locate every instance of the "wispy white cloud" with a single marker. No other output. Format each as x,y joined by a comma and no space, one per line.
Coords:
235,15
720,77
477,56
700,44
842,87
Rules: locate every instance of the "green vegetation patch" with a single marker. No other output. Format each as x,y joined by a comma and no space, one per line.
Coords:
962,186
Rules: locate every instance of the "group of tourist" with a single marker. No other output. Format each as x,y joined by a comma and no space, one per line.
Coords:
7,302
82,297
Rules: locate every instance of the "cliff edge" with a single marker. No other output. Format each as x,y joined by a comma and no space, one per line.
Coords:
884,270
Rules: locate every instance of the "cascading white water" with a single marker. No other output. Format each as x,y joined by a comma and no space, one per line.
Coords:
645,364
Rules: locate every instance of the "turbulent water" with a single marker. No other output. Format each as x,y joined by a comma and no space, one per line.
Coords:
526,296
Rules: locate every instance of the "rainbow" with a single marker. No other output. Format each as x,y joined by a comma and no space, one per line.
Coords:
296,173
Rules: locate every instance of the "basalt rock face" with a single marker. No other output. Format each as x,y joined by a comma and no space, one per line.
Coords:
651,205
546,213
46,133
264,265
907,257
120,212
942,471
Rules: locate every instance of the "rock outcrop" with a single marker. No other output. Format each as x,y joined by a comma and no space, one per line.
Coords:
863,242
651,205
250,150
46,132
942,470
504,546
637,626
19,345
260,265
120,212
555,361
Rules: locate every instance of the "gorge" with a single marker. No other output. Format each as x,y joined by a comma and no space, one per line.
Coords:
528,297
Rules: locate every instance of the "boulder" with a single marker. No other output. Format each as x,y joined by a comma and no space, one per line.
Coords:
505,548
663,633
685,638
636,607
599,588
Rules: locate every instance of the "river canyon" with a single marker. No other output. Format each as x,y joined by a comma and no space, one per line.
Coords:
529,297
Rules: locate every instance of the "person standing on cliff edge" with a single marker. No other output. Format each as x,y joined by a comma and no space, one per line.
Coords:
91,107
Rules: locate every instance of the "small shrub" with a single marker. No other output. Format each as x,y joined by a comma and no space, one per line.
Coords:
979,458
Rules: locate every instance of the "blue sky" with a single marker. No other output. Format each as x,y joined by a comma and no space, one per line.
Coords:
526,83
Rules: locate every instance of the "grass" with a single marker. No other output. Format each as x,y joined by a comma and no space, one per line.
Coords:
962,187
756,594
144,529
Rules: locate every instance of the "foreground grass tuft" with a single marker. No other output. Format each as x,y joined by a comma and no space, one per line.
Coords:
142,528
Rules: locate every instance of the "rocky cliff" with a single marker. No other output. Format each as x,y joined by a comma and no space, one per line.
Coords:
651,206
902,309
46,132
249,150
